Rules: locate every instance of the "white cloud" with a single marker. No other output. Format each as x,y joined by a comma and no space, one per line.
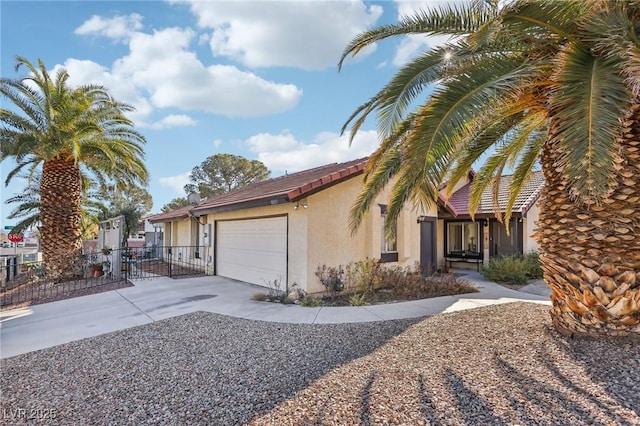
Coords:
118,28
304,34
172,120
162,64
217,143
161,71
176,182
119,86
284,152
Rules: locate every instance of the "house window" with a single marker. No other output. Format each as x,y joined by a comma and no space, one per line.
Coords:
463,237
389,244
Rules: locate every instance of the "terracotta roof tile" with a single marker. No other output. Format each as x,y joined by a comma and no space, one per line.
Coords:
459,200
290,187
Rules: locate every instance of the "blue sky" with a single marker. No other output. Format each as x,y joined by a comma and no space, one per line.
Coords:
251,78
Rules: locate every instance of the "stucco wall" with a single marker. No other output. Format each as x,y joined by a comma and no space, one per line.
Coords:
181,233
529,244
330,241
320,234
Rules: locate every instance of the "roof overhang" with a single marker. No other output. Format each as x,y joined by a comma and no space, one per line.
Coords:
260,202
326,182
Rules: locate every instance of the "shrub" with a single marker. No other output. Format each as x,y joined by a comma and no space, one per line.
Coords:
515,269
365,275
446,285
310,302
532,260
358,299
260,297
276,294
369,281
331,278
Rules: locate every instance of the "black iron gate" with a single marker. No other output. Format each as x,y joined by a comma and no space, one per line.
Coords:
166,261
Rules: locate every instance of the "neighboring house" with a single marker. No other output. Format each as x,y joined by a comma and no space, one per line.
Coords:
149,233
284,228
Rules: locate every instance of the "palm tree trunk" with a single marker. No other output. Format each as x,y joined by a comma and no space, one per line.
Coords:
590,252
60,215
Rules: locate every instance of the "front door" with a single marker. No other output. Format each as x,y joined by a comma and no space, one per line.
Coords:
503,244
428,241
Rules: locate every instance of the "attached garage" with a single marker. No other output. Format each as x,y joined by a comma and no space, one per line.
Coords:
252,250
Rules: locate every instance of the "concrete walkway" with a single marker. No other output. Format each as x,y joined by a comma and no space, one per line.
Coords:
41,326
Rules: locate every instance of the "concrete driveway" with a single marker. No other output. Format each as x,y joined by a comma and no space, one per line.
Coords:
41,326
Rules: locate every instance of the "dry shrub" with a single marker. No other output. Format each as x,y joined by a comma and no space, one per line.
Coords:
373,282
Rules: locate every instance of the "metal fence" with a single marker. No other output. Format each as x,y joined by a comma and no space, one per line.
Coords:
31,282
167,261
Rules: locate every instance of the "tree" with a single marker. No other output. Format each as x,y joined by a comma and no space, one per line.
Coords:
221,173
126,197
27,209
130,201
176,203
72,134
526,81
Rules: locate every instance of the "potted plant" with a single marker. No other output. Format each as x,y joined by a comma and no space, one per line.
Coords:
96,269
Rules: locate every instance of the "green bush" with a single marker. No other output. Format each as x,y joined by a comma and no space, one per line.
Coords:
532,260
515,269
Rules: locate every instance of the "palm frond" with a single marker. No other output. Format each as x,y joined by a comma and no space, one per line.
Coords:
522,173
489,175
540,18
387,168
448,19
588,103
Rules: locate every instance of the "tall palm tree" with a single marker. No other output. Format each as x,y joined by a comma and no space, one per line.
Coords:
526,82
68,132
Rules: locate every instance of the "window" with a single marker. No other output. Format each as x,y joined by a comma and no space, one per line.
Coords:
389,244
463,237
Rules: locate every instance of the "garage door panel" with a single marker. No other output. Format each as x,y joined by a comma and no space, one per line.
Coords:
253,250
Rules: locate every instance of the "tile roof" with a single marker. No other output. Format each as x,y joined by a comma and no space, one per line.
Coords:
458,203
287,188
177,214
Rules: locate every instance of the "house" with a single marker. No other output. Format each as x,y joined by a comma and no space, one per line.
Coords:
485,234
284,228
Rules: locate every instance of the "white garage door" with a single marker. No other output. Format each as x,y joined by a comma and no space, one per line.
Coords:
252,250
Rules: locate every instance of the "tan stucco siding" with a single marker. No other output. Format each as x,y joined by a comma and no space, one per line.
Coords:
330,241
181,233
529,226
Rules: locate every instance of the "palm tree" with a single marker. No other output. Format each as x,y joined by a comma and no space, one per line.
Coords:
526,82
69,133
27,207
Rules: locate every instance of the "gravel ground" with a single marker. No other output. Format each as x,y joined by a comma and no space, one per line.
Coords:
496,365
